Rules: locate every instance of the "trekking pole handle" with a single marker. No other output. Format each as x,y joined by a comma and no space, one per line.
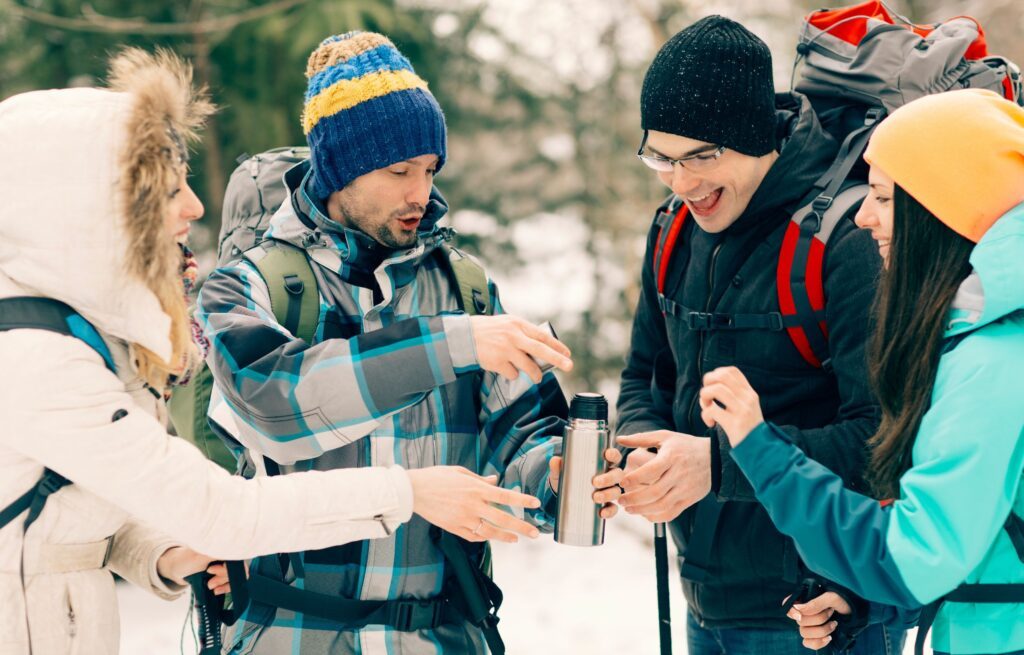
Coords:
207,611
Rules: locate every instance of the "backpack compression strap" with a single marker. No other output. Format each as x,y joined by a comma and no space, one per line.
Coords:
289,277
54,316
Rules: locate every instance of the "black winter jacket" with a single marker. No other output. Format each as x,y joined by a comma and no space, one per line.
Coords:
830,414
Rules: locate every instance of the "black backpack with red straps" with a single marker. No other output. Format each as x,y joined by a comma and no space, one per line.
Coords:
860,63
799,280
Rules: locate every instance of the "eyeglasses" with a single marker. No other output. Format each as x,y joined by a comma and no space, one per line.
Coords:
701,162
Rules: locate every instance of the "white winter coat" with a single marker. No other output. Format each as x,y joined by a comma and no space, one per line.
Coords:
64,235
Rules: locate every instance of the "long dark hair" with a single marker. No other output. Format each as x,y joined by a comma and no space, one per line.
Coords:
927,263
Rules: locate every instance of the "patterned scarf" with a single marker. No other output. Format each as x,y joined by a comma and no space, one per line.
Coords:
189,276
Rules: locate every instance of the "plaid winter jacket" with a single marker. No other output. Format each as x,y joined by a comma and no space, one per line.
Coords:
391,378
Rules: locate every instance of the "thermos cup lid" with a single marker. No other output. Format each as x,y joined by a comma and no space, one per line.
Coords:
591,406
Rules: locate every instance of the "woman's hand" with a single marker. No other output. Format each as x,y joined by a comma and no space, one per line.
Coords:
462,502
178,562
728,400
815,618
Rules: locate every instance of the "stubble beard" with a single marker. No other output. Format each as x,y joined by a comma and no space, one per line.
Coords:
389,239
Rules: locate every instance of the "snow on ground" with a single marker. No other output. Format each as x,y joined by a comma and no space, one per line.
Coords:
558,599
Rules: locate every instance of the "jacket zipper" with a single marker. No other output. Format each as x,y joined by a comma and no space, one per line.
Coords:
707,309
72,628
700,369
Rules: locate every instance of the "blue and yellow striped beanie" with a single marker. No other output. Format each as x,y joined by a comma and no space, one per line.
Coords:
366,109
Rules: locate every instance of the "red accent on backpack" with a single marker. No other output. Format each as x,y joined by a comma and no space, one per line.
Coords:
675,227
787,305
850,25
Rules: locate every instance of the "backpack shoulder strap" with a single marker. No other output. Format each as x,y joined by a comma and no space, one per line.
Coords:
800,272
53,316
34,499
26,312
294,293
670,219
471,279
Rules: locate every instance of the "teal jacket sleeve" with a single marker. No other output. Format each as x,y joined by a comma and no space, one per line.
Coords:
839,533
967,465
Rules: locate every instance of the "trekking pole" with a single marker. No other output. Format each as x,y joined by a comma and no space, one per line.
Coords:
661,574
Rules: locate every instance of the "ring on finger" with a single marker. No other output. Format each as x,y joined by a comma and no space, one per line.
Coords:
476,530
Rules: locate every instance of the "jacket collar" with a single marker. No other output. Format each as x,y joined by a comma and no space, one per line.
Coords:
806,151
303,222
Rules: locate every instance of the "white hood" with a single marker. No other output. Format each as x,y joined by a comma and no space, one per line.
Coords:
62,231
85,177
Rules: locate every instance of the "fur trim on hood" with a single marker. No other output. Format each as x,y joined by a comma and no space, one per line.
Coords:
165,116
87,175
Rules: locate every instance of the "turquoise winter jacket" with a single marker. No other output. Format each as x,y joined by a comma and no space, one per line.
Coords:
946,528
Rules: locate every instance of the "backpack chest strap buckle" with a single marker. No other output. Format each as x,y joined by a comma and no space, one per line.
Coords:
419,614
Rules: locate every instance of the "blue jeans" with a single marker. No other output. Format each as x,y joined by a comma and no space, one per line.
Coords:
875,640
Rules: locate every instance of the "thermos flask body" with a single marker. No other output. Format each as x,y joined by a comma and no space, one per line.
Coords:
585,439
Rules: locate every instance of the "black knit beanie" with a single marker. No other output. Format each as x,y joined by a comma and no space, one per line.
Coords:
713,82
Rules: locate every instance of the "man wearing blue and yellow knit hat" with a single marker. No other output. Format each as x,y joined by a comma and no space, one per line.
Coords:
407,370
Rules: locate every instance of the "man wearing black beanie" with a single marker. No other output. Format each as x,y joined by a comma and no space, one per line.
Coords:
740,161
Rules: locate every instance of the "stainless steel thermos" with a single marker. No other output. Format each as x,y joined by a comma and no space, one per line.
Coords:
579,522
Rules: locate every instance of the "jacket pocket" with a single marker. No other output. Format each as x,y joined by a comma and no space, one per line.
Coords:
245,639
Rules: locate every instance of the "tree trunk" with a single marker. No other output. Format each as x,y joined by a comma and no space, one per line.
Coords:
214,160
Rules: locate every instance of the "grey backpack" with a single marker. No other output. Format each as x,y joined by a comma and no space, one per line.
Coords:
861,63
254,193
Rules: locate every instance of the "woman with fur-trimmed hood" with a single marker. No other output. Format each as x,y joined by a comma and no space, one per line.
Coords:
96,209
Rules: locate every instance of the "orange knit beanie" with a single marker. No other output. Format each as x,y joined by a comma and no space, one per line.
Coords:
959,153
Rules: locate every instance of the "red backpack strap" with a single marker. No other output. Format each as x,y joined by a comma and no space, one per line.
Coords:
670,220
799,276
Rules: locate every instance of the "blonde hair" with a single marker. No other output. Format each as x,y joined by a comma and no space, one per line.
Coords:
185,356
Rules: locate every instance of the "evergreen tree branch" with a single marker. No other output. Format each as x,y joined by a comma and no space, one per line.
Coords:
91,21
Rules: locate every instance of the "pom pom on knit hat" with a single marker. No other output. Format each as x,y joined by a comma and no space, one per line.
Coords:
366,108
713,82
958,153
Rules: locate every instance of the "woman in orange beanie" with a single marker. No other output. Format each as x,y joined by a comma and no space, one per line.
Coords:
947,209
